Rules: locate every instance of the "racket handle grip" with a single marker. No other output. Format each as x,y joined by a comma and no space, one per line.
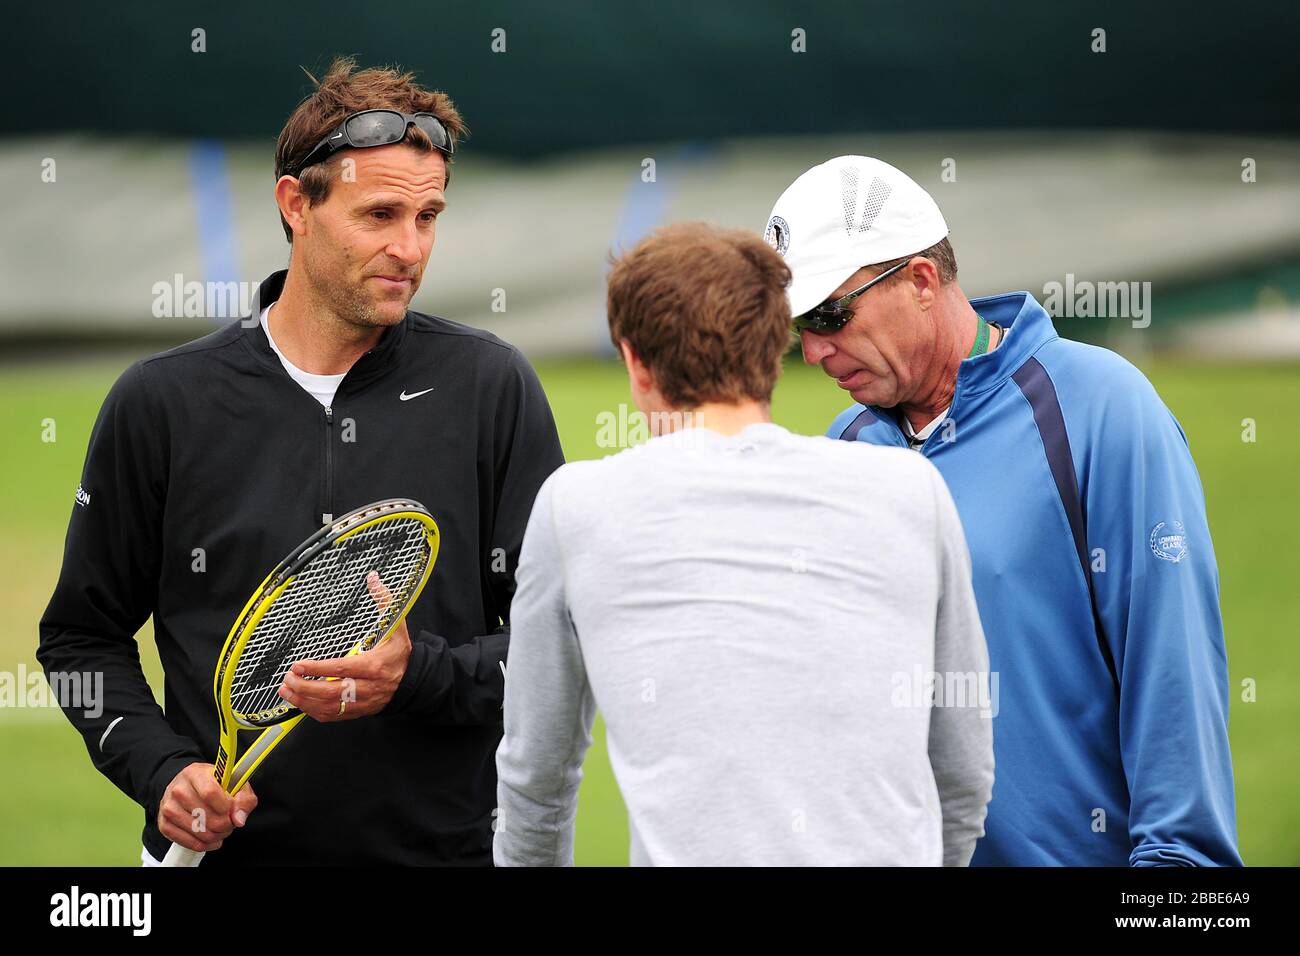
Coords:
182,856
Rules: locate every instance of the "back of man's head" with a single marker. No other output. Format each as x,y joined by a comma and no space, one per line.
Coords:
705,309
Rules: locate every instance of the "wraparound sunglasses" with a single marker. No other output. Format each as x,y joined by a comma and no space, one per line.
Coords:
833,315
375,128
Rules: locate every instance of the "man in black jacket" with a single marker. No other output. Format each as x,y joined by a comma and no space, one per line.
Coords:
209,462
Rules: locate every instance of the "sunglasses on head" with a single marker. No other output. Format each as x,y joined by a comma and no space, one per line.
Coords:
833,315
376,128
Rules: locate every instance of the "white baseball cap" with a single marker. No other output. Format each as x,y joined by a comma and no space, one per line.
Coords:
849,212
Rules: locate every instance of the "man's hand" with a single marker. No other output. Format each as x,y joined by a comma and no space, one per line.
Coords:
196,813
363,684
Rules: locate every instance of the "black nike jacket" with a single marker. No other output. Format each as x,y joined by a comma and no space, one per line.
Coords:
206,466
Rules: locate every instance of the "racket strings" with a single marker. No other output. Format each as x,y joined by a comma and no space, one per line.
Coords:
326,610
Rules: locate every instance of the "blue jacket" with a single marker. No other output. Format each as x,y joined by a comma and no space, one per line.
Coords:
1099,595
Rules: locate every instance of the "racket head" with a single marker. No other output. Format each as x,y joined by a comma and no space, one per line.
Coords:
316,604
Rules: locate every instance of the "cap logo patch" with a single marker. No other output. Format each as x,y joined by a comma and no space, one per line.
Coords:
777,234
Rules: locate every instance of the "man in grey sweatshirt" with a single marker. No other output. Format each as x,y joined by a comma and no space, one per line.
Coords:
779,630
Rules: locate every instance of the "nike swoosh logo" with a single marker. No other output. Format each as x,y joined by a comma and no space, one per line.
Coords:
407,398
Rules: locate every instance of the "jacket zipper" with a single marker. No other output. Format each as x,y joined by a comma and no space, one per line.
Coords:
327,509
952,407
926,444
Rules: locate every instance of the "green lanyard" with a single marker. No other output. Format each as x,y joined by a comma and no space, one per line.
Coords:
982,332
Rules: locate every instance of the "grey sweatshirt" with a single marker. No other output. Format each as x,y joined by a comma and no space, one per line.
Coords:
757,617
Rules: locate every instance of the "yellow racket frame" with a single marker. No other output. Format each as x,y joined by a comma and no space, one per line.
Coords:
233,776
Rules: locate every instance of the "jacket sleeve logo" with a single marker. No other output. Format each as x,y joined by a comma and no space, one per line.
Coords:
1169,541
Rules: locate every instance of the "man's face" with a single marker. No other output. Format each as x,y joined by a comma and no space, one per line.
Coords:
366,245
872,357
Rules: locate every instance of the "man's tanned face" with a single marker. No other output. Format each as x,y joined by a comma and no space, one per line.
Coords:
886,354
365,247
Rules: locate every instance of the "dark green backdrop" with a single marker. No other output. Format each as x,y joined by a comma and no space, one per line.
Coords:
579,74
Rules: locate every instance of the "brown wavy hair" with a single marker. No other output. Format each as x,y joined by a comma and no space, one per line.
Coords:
345,90
705,309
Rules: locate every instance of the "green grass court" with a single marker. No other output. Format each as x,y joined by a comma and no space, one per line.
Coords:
56,809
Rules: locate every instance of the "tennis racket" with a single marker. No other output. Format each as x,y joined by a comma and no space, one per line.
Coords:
315,605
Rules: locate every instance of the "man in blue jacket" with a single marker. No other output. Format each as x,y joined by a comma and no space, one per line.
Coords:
1093,566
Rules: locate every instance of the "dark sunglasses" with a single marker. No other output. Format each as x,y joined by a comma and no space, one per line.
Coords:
376,128
831,316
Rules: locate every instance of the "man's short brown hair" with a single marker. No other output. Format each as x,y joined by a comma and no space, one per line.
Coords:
343,91
941,254
705,309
